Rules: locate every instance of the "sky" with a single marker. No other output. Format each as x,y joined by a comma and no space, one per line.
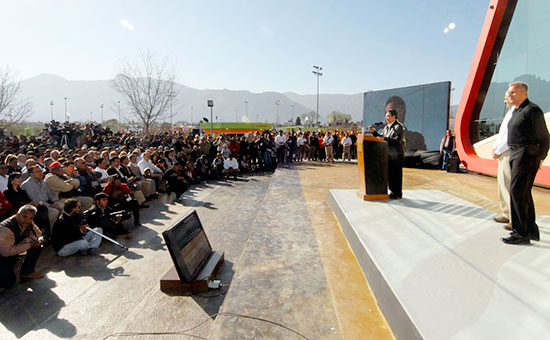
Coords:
254,45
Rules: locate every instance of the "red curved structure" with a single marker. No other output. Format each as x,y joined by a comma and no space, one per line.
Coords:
493,33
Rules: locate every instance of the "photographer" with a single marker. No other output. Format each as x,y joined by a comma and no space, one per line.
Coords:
100,215
119,197
70,234
18,235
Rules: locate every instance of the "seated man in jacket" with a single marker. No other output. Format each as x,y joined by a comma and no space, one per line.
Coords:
18,234
69,233
119,197
100,215
117,168
176,180
62,186
39,191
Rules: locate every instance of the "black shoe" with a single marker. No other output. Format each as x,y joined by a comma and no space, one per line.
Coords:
534,236
137,224
516,238
395,197
143,206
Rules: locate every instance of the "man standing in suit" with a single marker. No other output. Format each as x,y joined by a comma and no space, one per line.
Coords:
528,141
501,152
393,134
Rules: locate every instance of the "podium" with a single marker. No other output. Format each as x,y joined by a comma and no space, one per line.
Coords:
372,160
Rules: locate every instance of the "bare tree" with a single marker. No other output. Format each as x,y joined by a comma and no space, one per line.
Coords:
12,108
147,87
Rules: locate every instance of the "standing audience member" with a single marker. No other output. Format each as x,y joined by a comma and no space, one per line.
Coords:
528,140
446,148
346,142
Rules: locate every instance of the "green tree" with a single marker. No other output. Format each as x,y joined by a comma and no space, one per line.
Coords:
298,121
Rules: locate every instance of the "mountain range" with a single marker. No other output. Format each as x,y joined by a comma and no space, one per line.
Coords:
84,99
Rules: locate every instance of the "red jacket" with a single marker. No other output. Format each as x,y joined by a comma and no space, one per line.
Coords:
5,206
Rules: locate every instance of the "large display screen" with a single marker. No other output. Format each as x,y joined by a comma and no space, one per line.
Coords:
423,109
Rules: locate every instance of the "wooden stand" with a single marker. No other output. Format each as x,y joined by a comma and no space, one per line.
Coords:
372,160
171,283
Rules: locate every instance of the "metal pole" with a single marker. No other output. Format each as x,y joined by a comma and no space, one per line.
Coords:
119,119
191,115
101,107
211,122
107,238
292,114
51,104
65,115
317,71
171,113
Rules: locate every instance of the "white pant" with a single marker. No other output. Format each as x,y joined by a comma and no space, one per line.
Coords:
503,180
89,240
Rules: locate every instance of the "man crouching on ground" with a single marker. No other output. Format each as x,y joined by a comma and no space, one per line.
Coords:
70,234
18,234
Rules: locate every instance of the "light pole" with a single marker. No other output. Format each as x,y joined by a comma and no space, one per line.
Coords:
277,103
65,116
51,105
119,119
210,103
192,115
292,113
318,73
246,108
101,107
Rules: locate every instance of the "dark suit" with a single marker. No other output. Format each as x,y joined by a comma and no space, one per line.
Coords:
528,141
394,135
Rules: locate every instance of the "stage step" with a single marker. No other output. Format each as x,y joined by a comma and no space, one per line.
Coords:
439,270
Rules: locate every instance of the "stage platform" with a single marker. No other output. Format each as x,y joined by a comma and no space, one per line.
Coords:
439,270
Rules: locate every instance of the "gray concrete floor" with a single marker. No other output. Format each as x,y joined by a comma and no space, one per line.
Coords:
92,297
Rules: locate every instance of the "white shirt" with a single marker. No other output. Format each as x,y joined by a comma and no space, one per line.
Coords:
301,141
280,139
143,164
3,183
328,140
501,141
346,141
104,175
230,163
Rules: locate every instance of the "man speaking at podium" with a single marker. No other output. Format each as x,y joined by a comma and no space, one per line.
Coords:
393,134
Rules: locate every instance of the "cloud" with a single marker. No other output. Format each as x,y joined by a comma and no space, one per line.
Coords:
124,23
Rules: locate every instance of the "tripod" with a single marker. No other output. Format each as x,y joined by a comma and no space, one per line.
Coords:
64,140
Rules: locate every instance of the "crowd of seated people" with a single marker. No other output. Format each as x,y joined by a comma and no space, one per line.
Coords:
102,178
